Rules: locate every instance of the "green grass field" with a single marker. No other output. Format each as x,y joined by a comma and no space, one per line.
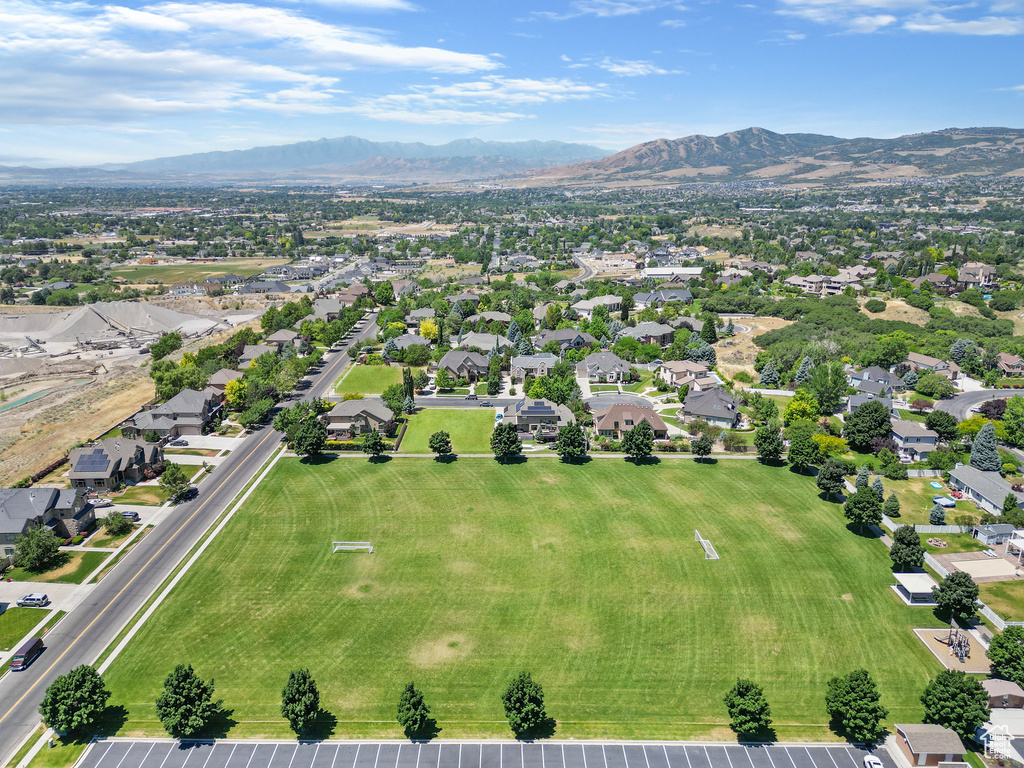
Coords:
1005,598
15,624
587,575
368,379
197,273
470,429
73,571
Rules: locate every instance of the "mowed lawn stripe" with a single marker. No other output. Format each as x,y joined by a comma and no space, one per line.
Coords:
586,575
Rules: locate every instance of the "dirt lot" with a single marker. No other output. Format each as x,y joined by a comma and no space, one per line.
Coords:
897,309
739,352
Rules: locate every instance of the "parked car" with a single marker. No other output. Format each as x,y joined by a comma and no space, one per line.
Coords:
102,503
188,494
870,761
134,516
180,443
35,600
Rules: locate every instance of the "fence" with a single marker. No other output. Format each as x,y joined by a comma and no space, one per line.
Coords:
924,473
892,526
997,621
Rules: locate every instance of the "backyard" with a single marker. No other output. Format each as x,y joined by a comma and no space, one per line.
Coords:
585,574
1005,598
915,497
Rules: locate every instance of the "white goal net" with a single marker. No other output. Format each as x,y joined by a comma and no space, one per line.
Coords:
709,549
351,546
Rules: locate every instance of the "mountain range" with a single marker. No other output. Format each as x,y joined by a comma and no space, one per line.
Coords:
749,154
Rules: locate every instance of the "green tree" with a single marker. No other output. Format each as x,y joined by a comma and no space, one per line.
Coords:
863,476
708,333
768,441
906,552
937,515
308,437
384,294
74,700
524,704
571,442
1006,652
639,441
373,444
174,480
803,452
802,406
863,508
878,488
749,713
1010,503
935,386
151,436
37,550
701,446
869,421
891,507
984,454
957,597
1013,421
394,397
957,701
944,425
300,701
830,478
166,344
443,380
117,524
769,376
413,713
803,373
441,443
505,441
854,706
186,707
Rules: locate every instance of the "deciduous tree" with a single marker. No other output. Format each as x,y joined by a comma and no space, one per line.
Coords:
639,441
505,441
944,424
37,549
571,442
749,712
524,704
868,421
186,705
373,444
768,441
854,706
906,552
1006,652
830,478
957,701
957,597
701,446
75,700
863,508
441,443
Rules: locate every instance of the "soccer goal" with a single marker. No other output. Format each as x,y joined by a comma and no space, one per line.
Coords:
709,548
351,546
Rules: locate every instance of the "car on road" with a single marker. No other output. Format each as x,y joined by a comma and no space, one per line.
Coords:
26,654
187,495
35,600
471,397
129,515
870,761
486,404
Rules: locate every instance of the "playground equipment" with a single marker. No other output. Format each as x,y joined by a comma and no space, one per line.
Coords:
958,642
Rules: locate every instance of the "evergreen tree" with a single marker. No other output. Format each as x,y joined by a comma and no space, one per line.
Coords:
749,713
854,706
407,384
891,507
408,405
515,335
906,552
957,701
803,373
505,441
524,347
863,475
730,329
524,704
300,701
937,515
878,488
830,478
910,379
984,455
414,714
186,706
769,375
708,333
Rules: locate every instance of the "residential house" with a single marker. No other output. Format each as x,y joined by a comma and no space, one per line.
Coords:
1003,694
464,299
687,373
187,413
602,367
585,308
410,340
282,337
108,463
535,365
715,406
484,341
993,534
929,744
1010,365
940,283
542,418
464,365
540,313
566,338
616,420
889,381
405,287
973,274
417,316
856,401
913,439
327,309
251,351
659,298
651,333
356,417
986,489
185,289
219,380
262,287
490,317
924,364
65,511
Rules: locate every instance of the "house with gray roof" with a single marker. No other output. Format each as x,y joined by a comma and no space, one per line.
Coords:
585,307
715,406
417,316
856,401
282,337
651,333
566,337
540,418
602,366
485,341
644,299
327,309
356,417
986,489
187,413
251,351
65,511
914,440
464,365
490,317
410,340
219,380
535,365
929,744
108,463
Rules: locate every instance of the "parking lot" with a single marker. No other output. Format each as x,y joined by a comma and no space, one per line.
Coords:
240,754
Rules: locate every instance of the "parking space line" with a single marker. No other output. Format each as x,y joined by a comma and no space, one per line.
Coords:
143,760
337,749
460,756
729,759
205,762
686,754
270,762
377,756
584,753
170,748
791,760
769,757
125,757
646,761
398,754
418,753
604,754
830,757
855,765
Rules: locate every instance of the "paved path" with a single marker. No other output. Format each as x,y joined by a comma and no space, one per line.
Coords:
164,753
960,405
88,629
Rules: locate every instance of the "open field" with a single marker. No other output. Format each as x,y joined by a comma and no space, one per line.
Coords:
738,353
1005,598
193,272
78,566
587,575
15,623
470,429
102,538
368,379
142,494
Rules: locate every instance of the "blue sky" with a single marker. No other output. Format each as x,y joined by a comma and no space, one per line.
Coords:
85,82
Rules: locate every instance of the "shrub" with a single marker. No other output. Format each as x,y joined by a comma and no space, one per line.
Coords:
875,306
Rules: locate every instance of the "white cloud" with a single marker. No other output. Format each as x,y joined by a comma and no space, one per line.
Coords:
153,22
868,24
673,23
369,5
609,8
628,68
988,25
937,16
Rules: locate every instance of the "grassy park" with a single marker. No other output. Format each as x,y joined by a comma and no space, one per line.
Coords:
369,379
587,575
470,429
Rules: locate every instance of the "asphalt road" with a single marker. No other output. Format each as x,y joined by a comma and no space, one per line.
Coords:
960,405
88,629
